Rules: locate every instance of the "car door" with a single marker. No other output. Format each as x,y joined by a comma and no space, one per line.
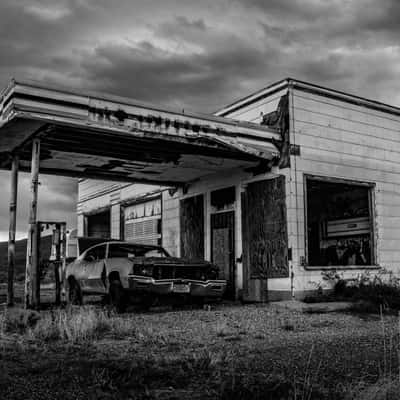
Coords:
93,265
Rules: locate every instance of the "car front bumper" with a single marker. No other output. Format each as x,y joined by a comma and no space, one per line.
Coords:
162,287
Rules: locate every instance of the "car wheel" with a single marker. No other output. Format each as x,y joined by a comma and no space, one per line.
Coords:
117,296
74,293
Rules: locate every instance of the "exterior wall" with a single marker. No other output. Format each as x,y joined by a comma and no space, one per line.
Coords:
255,111
237,179
342,140
99,195
279,288
337,139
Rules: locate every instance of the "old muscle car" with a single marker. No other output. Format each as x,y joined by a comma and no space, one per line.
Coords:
125,272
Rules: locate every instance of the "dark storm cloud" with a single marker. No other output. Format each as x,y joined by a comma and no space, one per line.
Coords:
299,9
194,55
199,78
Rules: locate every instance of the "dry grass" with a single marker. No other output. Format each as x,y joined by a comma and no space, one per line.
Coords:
73,325
247,352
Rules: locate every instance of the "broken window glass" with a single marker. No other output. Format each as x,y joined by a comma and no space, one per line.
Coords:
339,223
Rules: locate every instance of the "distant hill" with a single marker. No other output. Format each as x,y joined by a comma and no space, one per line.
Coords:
20,254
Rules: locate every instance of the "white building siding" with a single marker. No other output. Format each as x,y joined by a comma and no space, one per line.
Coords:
341,140
255,111
88,188
98,195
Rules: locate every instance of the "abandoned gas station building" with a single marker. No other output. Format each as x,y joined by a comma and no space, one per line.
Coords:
276,188
327,197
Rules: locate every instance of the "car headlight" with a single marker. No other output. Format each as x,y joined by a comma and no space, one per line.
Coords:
144,270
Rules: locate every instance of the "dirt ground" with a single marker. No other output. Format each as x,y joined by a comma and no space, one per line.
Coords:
231,351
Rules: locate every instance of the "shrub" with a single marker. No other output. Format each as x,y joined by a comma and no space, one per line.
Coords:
16,320
381,290
81,325
384,389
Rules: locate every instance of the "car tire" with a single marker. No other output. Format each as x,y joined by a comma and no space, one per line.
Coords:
75,294
117,296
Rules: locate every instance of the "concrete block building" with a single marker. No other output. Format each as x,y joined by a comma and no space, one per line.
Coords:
330,201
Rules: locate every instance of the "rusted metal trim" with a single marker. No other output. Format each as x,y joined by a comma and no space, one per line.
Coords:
18,86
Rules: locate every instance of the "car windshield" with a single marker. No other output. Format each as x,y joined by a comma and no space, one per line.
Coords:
118,250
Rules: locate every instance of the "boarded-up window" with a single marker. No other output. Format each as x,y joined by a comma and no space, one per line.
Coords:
192,227
265,249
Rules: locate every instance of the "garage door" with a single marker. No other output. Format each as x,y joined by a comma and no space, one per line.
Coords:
143,222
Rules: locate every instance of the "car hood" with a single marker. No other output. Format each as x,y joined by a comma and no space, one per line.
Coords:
173,261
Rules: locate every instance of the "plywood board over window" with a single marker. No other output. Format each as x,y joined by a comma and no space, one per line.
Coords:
265,240
192,227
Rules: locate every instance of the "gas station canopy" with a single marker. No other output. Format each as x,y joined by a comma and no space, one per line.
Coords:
96,136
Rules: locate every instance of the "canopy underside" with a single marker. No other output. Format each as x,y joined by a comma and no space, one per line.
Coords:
93,137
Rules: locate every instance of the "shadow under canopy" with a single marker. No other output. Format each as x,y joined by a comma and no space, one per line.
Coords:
87,135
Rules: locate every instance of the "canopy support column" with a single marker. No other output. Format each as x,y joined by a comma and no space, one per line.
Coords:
32,283
12,229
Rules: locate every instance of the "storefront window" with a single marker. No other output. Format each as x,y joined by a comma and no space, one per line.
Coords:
339,223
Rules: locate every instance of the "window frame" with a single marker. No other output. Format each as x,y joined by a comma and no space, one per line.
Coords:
136,201
372,210
93,248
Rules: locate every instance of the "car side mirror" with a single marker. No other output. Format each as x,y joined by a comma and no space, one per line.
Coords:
90,258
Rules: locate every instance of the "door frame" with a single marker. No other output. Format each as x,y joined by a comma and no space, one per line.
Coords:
232,270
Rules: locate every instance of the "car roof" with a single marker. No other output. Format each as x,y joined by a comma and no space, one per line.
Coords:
126,243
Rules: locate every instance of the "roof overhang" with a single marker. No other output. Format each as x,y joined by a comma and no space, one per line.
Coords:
107,137
308,88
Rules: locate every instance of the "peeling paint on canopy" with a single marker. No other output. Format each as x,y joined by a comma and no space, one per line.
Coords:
108,137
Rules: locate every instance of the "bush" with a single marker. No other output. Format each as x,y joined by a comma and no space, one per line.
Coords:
376,291
369,292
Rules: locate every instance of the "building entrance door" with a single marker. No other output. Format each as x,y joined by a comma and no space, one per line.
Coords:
223,248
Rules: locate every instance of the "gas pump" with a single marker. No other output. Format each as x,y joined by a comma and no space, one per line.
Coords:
57,259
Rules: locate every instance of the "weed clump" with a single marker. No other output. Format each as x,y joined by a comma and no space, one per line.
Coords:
70,325
369,292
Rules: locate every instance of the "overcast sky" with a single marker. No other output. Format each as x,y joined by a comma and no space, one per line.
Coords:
196,54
